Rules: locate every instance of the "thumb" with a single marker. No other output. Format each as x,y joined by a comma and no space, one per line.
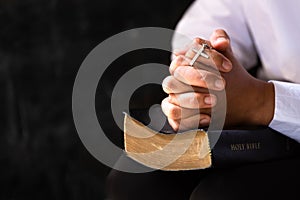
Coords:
220,41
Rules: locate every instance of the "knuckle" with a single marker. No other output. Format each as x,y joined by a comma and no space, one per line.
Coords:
170,110
173,98
194,101
196,40
174,124
178,61
168,84
198,97
180,58
174,112
204,75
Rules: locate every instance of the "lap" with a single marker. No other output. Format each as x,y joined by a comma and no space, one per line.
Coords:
256,181
158,185
277,179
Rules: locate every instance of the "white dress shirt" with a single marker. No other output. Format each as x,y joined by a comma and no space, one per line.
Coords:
265,28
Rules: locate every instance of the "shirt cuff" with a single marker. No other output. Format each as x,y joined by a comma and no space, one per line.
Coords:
286,119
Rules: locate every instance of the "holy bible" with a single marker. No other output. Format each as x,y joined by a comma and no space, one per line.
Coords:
192,150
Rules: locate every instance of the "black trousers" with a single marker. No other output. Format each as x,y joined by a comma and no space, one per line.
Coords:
277,180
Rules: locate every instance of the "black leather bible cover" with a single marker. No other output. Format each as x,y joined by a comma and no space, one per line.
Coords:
236,147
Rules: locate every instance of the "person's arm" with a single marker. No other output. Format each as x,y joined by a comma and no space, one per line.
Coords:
286,118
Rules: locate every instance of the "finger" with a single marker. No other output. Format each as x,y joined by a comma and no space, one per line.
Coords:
173,111
200,41
199,78
179,61
183,50
178,52
222,63
193,100
215,60
178,55
192,122
220,40
171,85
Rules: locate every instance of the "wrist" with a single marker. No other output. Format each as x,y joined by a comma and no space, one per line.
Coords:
264,109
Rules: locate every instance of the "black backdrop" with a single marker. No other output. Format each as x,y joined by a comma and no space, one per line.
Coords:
42,45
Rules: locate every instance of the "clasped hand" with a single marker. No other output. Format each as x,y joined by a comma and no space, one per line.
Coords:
194,91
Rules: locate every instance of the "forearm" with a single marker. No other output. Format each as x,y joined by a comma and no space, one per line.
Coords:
263,113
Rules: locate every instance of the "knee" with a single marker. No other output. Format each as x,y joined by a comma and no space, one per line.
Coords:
123,186
113,186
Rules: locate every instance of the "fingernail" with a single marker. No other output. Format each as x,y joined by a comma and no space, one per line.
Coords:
226,65
204,121
210,100
219,84
220,40
196,40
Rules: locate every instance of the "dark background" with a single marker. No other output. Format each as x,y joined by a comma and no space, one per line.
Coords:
42,45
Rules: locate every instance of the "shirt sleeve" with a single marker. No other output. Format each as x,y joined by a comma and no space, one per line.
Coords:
204,16
286,119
